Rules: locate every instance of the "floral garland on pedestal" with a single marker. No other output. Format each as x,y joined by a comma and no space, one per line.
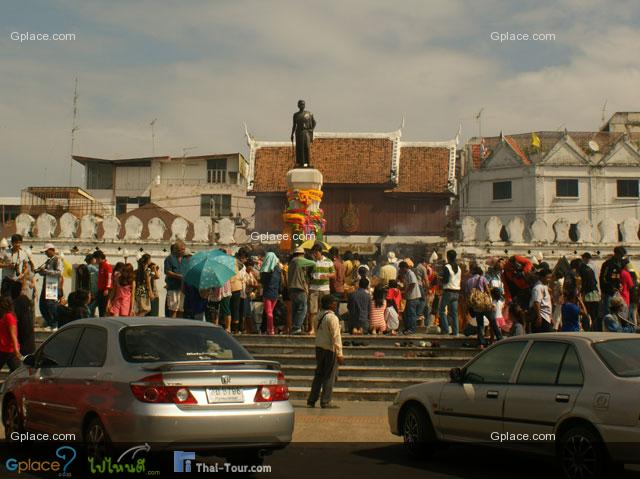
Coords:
301,220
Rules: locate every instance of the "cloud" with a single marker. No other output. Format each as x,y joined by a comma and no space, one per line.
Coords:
204,68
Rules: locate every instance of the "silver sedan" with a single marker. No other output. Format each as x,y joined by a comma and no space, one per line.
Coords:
136,380
572,395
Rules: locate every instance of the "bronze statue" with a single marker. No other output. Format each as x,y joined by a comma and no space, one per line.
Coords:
303,125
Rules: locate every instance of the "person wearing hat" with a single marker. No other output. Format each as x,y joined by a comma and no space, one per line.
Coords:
540,302
51,291
299,268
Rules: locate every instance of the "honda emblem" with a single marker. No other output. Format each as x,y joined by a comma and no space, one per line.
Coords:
225,379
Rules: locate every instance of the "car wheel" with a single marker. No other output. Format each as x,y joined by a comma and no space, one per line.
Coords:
12,418
581,454
96,440
417,432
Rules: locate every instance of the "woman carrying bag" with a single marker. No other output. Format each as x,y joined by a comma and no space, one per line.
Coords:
481,304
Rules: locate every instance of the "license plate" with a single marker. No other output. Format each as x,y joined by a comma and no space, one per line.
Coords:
222,395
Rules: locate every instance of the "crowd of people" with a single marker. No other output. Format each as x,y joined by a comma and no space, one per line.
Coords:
274,294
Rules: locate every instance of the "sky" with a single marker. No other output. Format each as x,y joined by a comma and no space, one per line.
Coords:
203,68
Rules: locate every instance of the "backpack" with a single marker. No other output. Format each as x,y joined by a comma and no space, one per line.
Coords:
479,300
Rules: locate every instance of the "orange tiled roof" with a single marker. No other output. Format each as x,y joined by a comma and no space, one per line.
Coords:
358,160
423,169
341,161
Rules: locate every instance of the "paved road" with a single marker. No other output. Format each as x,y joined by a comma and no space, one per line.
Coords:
354,442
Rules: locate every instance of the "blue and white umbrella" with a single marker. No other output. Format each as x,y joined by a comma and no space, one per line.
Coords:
209,269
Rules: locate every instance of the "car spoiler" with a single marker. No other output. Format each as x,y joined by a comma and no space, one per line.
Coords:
168,366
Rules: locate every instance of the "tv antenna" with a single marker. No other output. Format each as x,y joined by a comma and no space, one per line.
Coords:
604,108
478,117
74,129
153,137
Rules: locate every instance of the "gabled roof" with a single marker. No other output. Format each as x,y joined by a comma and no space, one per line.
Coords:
423,169
375,159
521,144
334,157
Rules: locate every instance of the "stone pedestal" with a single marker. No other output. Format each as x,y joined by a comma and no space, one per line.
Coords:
303,217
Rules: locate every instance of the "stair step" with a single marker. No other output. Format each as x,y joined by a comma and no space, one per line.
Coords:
371,361
388,350
420,374
348,394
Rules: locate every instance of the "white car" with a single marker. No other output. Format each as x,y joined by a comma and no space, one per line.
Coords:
574,395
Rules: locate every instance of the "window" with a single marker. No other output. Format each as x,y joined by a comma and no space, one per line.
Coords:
147,344
92,349
233,177
215,206
622,356
217,170
571,373
628,189
60,347
567,188
542,363
99,176
502,190
124,204
496,365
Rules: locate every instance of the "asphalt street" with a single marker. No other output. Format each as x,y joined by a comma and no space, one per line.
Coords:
354,441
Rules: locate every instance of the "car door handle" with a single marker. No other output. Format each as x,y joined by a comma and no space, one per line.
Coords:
562,398
492,394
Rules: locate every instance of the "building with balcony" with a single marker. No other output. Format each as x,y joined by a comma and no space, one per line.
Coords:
212,186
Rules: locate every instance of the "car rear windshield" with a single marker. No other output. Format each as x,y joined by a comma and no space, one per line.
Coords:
622,356
148,344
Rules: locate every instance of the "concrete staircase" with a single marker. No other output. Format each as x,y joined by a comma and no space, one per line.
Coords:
375,370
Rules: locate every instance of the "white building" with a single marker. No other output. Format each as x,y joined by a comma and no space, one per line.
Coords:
588,180
192,187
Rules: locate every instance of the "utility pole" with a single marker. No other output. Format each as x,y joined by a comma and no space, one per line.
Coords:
153,137
74,128
604,108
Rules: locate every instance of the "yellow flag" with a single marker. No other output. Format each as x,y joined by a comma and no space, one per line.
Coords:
535,140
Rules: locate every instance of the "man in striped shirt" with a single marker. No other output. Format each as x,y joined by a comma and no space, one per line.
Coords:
319,285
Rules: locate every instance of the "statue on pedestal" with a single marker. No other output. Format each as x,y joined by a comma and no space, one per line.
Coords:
303,125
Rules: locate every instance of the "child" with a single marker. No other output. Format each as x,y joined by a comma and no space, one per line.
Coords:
394,295
571,311
516,314
377,324
498,306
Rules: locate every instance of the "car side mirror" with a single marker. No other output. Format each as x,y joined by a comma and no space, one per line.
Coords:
29,360
46,362
456,375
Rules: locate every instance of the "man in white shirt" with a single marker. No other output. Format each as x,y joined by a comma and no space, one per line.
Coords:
14,263
328,353
540,303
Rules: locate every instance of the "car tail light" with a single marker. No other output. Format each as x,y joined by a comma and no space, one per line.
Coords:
273,392
152,389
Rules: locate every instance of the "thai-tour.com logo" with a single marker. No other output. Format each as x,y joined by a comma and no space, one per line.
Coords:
185,461
65,456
